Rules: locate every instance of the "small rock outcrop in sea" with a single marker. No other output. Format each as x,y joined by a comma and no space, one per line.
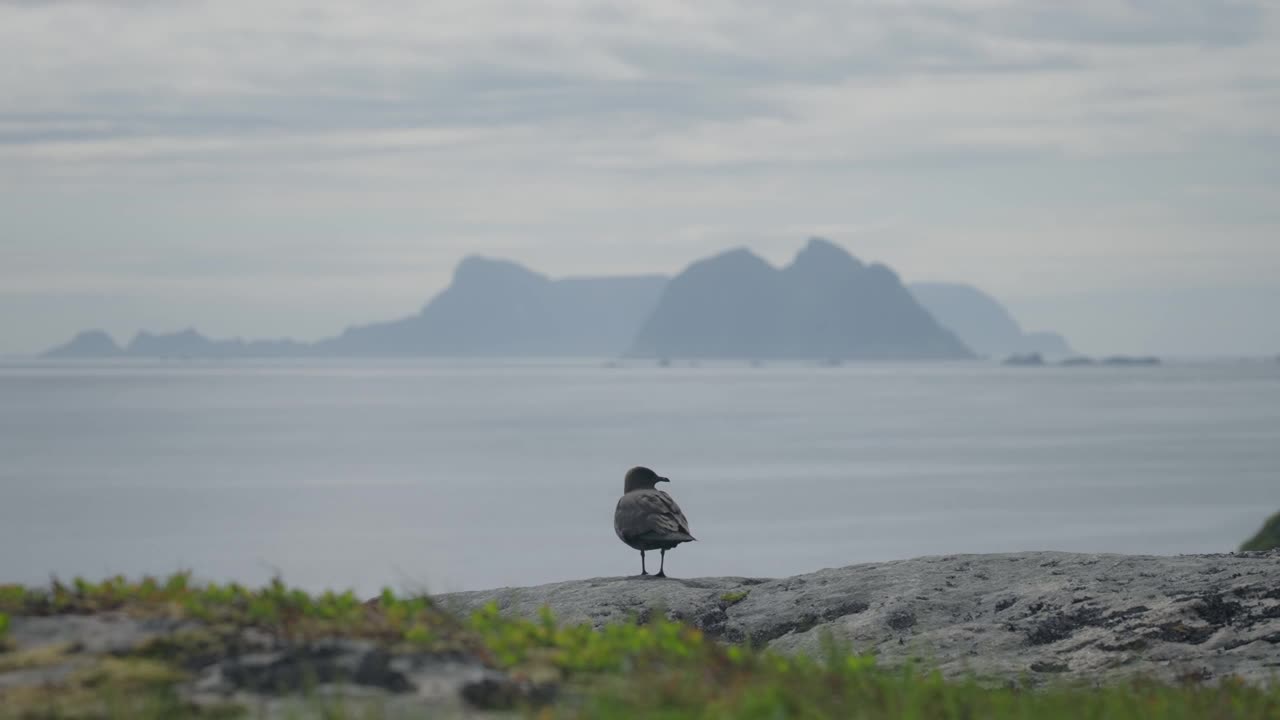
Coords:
1114,361
1130,361
1028,360
1043,614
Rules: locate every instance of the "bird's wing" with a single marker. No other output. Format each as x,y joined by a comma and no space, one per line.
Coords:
673,511
650,514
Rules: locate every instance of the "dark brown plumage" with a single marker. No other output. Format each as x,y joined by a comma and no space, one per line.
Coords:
649,519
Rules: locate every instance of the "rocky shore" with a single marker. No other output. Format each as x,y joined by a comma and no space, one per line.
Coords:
1030,618
1079,616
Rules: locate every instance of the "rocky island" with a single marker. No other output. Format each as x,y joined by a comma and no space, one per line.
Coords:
498,308
825,306
1075,361
491,308
186,343
986,326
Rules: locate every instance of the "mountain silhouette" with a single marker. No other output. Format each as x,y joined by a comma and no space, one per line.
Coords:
983,323
500,308
89,343
825,305
183,344
491,308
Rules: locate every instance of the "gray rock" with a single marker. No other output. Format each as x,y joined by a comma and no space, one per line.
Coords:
1042,614
301,668
278,679
361,671
41,676
112,633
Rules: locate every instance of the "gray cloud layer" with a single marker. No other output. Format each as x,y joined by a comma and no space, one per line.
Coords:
269,168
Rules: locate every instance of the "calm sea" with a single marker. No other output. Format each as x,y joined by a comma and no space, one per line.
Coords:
451,475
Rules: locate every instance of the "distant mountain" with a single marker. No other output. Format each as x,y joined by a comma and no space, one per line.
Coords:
184,344
189,343
500,308
492,308
826,305
983,323
90,343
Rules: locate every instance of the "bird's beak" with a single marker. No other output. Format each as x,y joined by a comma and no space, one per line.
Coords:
662,479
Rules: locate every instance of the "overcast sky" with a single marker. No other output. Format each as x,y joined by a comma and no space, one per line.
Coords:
1110,169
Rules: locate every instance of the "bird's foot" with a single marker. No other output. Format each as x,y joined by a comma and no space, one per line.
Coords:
661,574
643,574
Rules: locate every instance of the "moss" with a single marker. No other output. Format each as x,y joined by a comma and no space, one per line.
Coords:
190,648
288,613
132,673
42,656
1267,538
107,704
733,598
107,688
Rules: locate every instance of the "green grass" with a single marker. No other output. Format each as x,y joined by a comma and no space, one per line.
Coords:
288,613
793,692
1267,538
660,669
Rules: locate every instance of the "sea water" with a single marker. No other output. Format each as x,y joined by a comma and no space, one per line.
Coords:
448,475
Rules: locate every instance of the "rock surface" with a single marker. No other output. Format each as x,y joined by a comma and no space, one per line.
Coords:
356,670
108,633
1040,615
1032,617
273,678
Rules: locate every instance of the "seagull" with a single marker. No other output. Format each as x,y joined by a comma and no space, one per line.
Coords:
649,519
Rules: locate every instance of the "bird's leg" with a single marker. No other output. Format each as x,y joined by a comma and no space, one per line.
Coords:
662,563
642,570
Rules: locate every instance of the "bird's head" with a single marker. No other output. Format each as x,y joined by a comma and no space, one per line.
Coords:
642,478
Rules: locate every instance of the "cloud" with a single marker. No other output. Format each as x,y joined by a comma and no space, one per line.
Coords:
656,80
231,139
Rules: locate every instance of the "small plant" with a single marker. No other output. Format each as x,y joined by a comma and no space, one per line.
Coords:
1267,538
733,598
4,632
